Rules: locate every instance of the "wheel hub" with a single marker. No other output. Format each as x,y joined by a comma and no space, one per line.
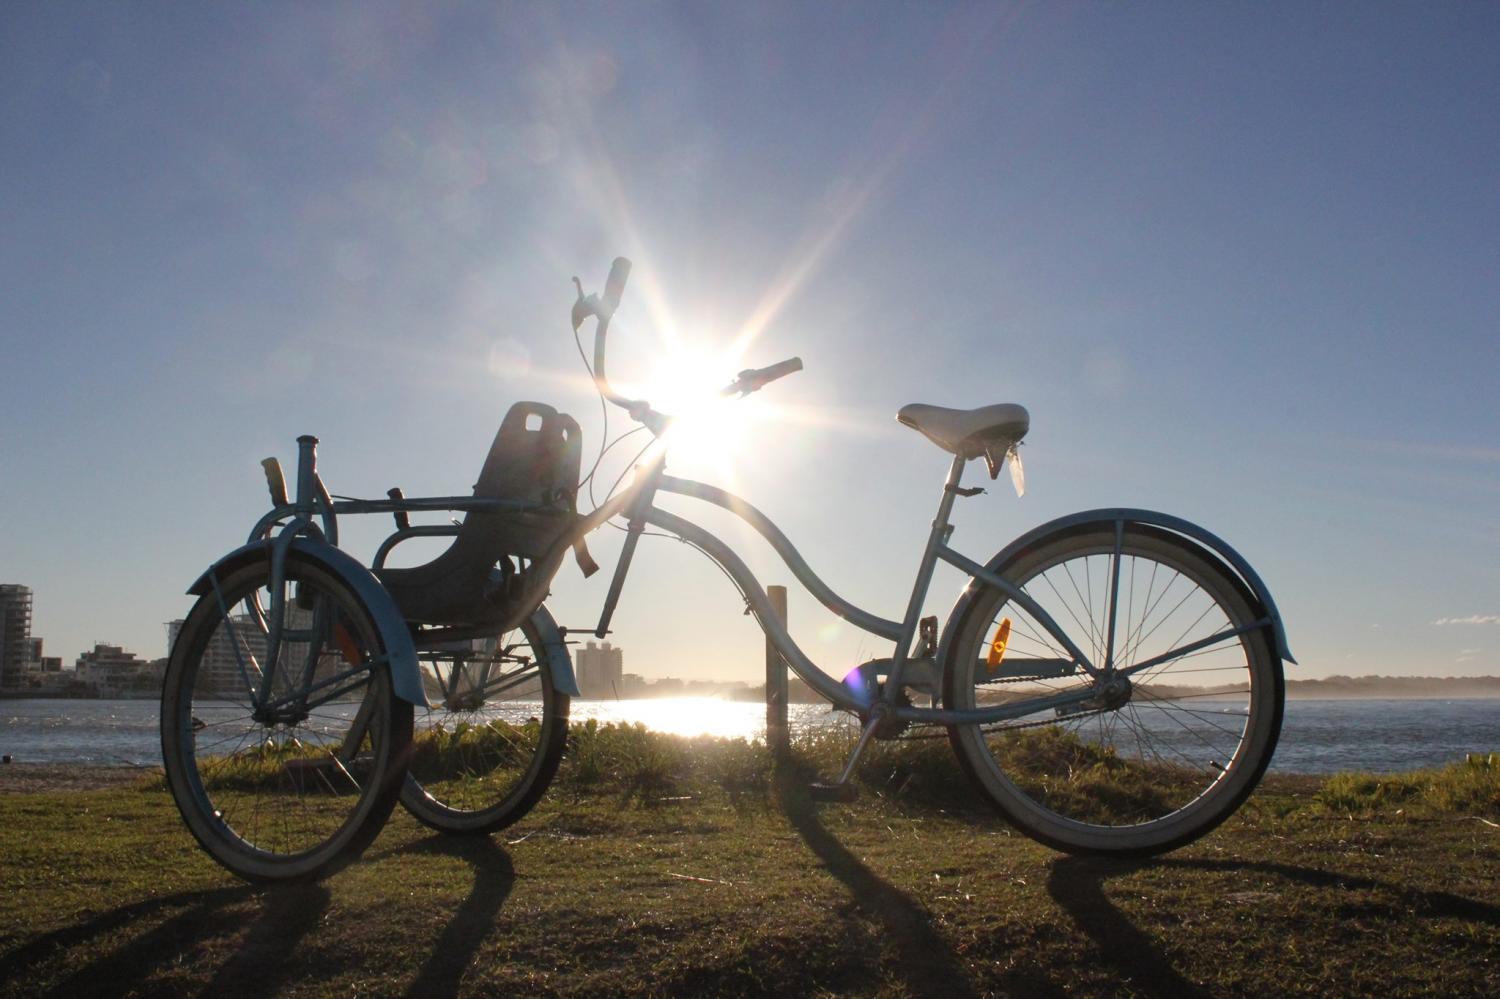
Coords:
1114,693
286,714
470,701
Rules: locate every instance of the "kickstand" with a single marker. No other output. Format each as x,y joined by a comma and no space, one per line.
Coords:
843,789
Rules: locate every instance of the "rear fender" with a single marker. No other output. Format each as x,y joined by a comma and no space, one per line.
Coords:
1092,518
406,676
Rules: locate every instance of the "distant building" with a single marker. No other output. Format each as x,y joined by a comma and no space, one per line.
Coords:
113,672
599,669
41,663
219,669
24,669
236,654
15,635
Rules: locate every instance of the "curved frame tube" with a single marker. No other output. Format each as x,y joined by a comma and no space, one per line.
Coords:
406,533
805,575
759,603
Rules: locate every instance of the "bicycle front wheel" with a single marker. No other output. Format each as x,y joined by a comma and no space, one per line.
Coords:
1153,759
488,746
283,744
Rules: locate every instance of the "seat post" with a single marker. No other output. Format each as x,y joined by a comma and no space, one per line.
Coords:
938,536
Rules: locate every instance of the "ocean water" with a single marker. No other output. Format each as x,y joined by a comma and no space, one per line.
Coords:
1318,736
1384,736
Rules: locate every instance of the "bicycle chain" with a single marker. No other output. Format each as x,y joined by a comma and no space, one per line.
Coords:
991,727
998,726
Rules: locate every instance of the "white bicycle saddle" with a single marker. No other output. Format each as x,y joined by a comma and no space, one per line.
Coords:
968,433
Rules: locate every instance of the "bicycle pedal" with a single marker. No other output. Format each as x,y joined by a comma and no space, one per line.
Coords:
823,791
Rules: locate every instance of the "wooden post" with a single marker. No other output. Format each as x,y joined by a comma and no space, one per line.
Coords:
778,737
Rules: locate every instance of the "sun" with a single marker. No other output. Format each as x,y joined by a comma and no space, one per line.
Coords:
708,429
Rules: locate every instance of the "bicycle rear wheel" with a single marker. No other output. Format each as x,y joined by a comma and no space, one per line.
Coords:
1142,766
283,744
489,744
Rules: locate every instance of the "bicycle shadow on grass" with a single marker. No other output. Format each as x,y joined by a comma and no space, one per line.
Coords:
1076,884
926,961
195,922
1425,902
455,948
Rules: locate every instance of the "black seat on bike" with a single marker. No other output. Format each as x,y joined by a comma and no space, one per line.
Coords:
968,433
535,459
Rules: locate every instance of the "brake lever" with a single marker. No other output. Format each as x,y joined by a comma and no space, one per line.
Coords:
584,306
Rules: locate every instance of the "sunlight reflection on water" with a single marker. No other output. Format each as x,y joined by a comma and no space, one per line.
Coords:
701,715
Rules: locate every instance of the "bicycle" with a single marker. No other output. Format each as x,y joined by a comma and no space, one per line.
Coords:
1111,681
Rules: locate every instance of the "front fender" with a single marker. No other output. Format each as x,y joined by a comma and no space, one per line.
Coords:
1091,517
406,675
553,641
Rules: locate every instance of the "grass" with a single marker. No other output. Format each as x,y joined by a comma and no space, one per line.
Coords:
1470,787
660,865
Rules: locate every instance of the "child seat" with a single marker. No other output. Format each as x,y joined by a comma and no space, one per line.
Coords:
535,460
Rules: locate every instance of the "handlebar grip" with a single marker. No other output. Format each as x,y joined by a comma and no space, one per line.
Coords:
619,273
275,481
403,519
755,379
780,369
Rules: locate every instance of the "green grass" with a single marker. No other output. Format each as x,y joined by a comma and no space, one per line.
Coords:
1470,787
672,866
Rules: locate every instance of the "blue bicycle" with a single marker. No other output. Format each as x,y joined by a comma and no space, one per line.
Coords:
1111,681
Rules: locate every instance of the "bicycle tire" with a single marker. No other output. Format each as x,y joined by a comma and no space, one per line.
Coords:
1186,747
269,795
489,746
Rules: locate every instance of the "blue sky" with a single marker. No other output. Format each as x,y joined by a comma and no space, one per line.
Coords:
1241,264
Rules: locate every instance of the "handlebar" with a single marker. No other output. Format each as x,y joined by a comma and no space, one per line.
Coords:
755,379
602,308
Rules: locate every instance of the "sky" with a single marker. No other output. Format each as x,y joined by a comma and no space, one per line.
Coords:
1241,263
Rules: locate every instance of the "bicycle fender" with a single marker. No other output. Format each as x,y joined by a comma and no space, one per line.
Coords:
1091,518
406,676
553,640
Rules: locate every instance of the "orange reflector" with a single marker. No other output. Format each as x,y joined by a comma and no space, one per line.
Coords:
997,647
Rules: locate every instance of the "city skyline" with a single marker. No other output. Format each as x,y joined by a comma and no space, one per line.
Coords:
1238,264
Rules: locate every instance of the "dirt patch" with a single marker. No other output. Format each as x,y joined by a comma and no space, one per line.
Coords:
42,778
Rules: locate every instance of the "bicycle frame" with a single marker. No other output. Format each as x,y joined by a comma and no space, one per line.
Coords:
638,504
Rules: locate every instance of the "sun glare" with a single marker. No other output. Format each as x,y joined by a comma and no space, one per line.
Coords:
707,428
